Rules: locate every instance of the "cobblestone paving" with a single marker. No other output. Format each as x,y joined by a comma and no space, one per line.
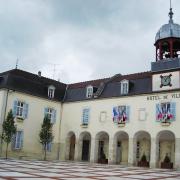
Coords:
19,169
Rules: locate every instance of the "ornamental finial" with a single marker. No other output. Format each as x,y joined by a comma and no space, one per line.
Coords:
171,14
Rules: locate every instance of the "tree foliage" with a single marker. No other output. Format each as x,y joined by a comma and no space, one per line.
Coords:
46,134
9,129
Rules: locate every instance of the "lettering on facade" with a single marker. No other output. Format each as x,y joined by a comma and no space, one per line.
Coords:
163,97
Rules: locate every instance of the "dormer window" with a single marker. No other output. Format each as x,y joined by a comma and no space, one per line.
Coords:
89,91
124,87
51,90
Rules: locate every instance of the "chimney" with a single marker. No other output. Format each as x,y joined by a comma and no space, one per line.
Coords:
39,73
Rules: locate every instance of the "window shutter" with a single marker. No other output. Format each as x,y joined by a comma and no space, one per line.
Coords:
115,114
158,112
173,111
54,116
25,110
128,112
15,107
13,141
21,139
49,146
85,116
45,111
18,140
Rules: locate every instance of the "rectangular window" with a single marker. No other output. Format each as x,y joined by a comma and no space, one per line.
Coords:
89,92
51,93
20,109
166,112
18,140
85,116
121,114
51,114
124,87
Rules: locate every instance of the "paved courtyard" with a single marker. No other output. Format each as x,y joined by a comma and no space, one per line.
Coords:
19,169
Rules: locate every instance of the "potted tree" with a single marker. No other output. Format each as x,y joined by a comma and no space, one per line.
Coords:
102,159
46,134
167,164
9,130
143,162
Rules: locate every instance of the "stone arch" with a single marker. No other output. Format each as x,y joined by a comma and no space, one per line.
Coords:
166,49
176,49
121,147
165,147
70,146
102,147
142,147
84,146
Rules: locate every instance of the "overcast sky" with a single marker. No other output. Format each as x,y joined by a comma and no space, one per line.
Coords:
84,39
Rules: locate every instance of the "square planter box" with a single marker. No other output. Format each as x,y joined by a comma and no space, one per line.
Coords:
84,125
143,164
165,123
18,119
167,165
103,161
121,124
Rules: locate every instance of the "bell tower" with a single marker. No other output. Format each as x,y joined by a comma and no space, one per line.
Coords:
166,69
167,40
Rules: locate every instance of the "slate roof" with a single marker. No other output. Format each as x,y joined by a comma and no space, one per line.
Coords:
140,83
22,81
29,83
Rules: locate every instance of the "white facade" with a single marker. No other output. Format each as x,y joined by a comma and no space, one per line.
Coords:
146,130
87,130
30,126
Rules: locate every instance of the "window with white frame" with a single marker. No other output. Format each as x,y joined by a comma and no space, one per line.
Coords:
166,112
51,91
20,109
85,116
48,146
124,87
18,140
89,91
51,114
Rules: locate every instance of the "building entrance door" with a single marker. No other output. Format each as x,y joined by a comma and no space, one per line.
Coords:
85,150
118,153
72,147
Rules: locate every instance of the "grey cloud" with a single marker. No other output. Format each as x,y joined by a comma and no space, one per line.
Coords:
87,39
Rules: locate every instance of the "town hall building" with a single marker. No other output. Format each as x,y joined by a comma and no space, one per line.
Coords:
125,119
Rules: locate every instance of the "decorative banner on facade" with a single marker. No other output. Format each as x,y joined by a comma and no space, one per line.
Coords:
120,114
166,112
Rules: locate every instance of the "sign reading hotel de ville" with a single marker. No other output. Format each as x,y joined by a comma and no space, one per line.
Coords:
164,97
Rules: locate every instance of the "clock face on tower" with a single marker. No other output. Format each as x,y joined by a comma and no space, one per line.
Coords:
166,80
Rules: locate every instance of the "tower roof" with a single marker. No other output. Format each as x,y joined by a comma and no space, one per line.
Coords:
168,30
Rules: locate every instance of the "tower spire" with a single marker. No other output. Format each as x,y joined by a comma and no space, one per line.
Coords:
17,61
170,13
